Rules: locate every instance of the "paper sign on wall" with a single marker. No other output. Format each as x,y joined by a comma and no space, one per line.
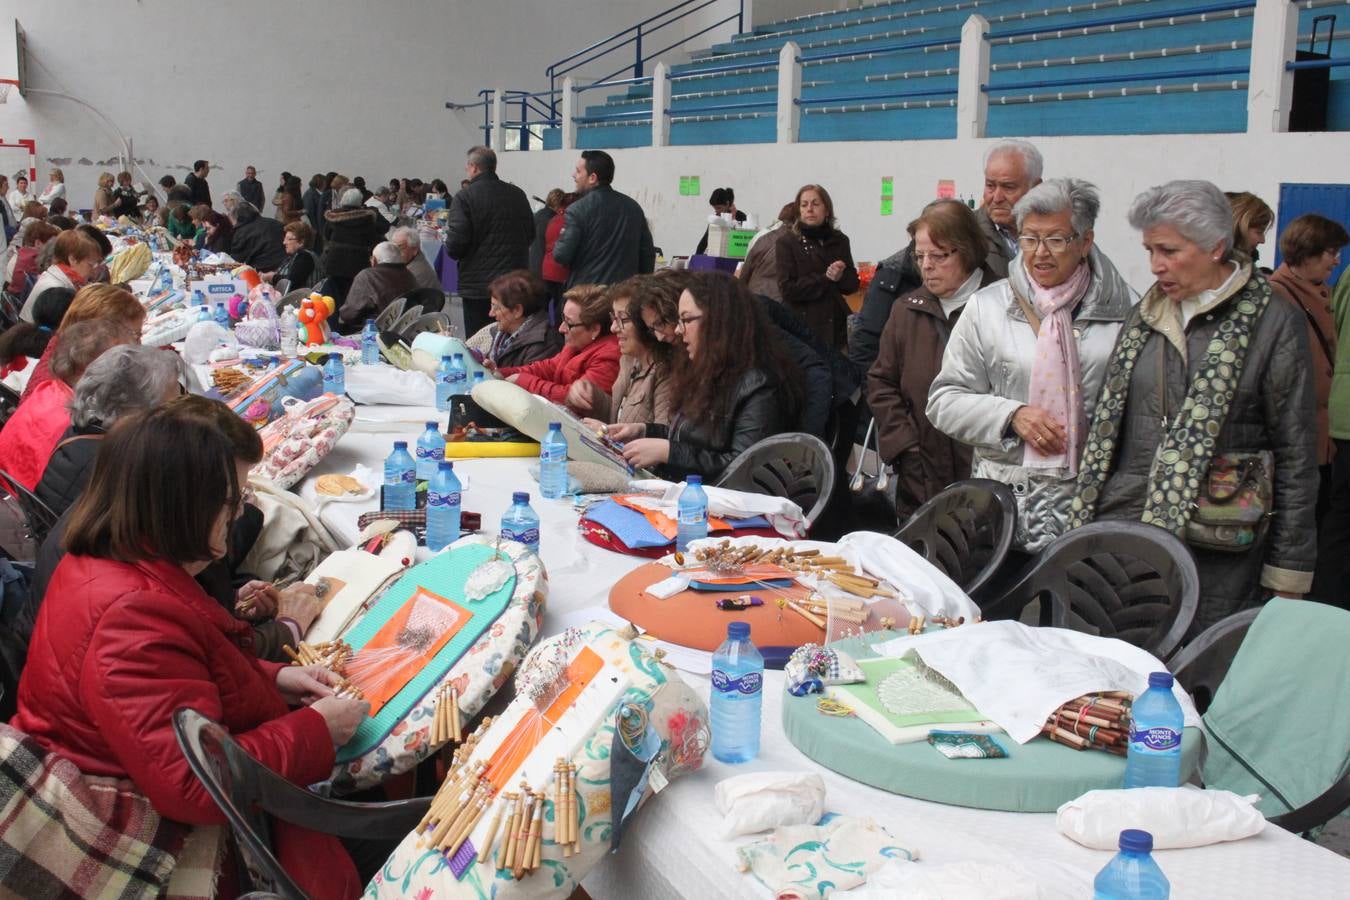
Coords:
689,186
946,189
887,186
887,206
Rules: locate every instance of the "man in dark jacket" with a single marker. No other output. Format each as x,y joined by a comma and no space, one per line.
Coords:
605,238
488,231
196,182
376,287
250,188
257,239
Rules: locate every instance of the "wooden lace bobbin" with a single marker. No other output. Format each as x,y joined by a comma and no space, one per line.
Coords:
536,833
566,814
467,828
496,822
522,851
558,778
574,822
456,729
508,842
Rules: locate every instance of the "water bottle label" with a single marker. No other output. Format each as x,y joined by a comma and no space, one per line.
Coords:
436,453
409,476
1159,740
451,499
529,537
693,516
553,454
749,683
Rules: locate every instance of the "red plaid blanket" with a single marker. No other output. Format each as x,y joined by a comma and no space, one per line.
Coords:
64,834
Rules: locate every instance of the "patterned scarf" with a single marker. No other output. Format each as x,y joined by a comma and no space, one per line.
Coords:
1056,378
1191,438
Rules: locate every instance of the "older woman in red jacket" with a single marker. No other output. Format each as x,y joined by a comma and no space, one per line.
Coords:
589,351
125,637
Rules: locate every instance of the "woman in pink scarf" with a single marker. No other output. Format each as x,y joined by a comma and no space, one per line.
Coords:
1026,361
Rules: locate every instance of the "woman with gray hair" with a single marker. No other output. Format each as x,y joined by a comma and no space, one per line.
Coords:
1207,425
1026,359
124,379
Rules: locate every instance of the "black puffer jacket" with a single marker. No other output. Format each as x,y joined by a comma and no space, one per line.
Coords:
896,275
605,239
69,468
707,448
488,230
257,241
349,236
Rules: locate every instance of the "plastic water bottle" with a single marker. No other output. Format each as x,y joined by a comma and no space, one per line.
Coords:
222,316
737,694
1154,756
1132,874
289,329
459,375
693,513
478,378
335,375
199,299
430,451
370,344
521,522
553,463
400,474
443,506
444,386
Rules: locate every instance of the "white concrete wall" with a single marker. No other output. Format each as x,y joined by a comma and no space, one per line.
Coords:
766,176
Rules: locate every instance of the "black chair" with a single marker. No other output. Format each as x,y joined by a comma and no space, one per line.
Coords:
37,518
796,466
431,300
390,314
1120,579
248,793
965,531
437,321
1201,665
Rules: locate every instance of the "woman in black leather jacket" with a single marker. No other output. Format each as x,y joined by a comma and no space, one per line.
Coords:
733,385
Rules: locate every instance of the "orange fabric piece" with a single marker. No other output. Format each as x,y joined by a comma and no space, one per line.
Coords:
663,523
399,669
520,743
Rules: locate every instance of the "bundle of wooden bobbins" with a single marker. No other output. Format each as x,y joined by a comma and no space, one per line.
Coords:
331,655
445,722
724,557
461,801
1093,722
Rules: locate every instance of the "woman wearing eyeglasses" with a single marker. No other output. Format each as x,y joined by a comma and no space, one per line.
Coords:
642,392
733,385
1025,363
589,351
950,250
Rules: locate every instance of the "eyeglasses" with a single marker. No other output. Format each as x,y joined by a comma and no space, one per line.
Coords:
620,320
935,257
570,325
685,320
1055,243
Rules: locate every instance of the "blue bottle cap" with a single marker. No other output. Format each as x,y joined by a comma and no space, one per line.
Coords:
445,358
520,497
445,465
554,425
693,479
459,356
335,357
400,445
1160,679
433,426
740,631
1134,840
370,321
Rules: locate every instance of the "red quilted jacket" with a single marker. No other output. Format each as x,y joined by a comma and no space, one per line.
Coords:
117,648
598,363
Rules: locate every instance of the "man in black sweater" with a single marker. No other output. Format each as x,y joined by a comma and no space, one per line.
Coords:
196,182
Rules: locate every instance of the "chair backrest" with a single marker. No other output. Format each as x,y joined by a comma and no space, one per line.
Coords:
390,314
1201,665
410,315
1118,578
235,782
437,321
430,299
293,299
965,531
38,518
794,465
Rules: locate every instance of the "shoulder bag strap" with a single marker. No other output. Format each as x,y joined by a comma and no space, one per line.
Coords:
1032,319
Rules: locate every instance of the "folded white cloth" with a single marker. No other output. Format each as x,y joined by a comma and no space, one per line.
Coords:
927,591
1017,675
1176,817
759,801
785,516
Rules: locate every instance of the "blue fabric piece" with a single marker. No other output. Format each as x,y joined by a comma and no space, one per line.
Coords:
632,527
629,770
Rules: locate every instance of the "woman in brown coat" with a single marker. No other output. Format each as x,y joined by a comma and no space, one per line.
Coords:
950,250
815,267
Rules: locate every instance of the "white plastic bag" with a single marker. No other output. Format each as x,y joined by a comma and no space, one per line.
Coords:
1176,817
373,385
760,801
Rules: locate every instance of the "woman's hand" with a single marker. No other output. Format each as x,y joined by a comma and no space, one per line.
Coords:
625,431
1039,429
581,395
256,600
342,716
489,365
267,276
303,685
836,270
300,603
646,452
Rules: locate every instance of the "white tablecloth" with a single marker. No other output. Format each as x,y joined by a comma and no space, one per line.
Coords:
674,850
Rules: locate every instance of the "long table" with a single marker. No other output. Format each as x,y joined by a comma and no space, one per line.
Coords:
675,850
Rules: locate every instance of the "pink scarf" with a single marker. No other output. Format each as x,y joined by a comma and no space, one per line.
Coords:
1056,380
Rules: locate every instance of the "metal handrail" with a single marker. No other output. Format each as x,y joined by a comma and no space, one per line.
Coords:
633,35
885,48
641,115
645,79
723,107
729,67
1111,79
1124,20
1293,66
850,98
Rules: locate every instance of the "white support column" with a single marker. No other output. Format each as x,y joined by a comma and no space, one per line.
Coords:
789,91
972,103
499,120
660,103
569,108
1270,87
